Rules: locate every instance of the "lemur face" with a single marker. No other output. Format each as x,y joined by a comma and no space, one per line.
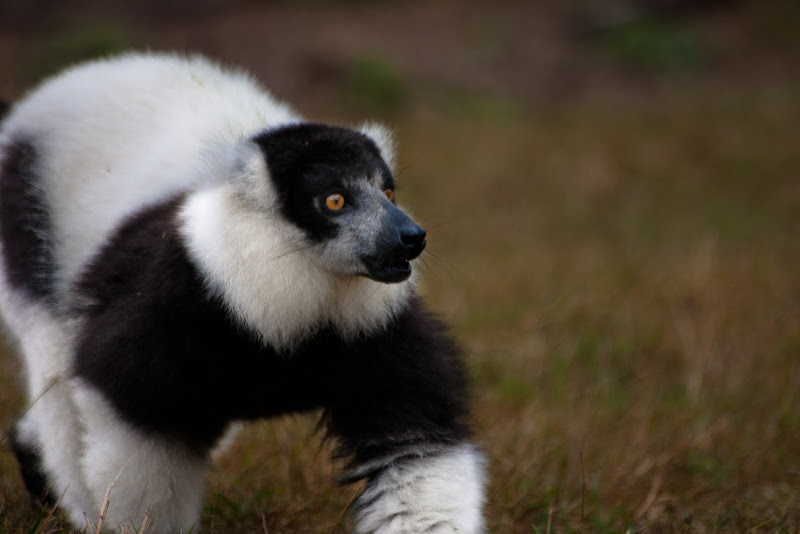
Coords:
334,185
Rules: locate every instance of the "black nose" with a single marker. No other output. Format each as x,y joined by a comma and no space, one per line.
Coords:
413,240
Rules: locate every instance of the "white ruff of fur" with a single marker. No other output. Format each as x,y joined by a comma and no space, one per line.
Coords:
441,494
262,268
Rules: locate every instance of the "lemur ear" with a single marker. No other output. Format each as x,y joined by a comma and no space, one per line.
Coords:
384,138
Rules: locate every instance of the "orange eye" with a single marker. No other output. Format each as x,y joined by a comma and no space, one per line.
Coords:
389,194
334,202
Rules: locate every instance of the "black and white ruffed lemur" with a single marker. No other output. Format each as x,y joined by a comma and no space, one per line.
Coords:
181,252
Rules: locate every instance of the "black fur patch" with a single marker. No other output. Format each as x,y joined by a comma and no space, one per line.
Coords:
3,109
403,387
148,322
173,361
307,161
30,467
25,223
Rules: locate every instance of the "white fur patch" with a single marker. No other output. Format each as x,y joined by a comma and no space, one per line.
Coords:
151,476
384,138
440,494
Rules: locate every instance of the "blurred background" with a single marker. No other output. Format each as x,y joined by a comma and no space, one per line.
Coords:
612,195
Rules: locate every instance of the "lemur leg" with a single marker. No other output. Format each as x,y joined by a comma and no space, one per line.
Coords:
51,432
60,443
151,475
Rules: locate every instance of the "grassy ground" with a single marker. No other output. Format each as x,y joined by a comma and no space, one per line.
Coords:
624,276
626,280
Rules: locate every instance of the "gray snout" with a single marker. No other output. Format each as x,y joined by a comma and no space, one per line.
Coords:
400,241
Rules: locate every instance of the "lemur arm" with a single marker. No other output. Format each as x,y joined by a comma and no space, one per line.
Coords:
400,418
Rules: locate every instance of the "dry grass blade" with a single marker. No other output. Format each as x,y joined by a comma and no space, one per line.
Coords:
31,405
106,502
359,489
651,496
146,522
583,486
54,507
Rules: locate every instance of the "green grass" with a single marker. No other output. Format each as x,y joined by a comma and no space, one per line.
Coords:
72,43
374,85
654,45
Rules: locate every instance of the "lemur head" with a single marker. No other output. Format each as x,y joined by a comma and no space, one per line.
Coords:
335,184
